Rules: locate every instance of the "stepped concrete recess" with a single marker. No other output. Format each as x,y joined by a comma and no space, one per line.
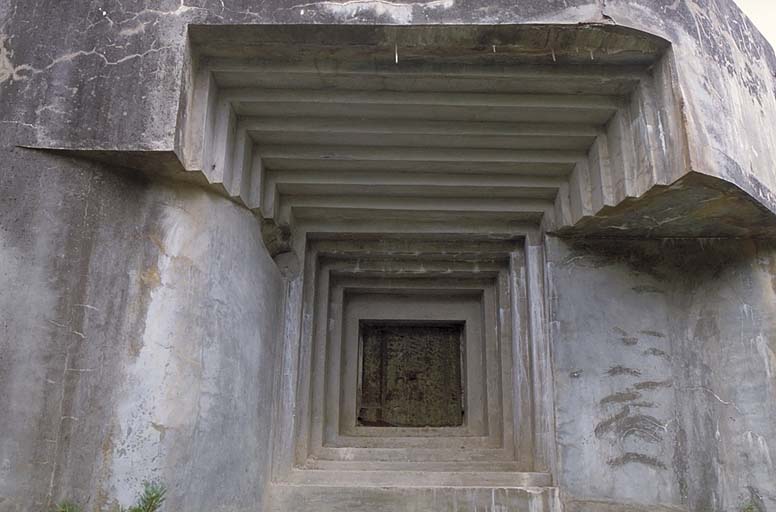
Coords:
490,136
409,282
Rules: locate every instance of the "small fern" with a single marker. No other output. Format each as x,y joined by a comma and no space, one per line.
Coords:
67,506
152,498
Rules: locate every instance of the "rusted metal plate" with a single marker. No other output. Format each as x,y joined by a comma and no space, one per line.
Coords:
411,375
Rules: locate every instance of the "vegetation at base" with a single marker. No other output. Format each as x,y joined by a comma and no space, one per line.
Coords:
67,506
150,500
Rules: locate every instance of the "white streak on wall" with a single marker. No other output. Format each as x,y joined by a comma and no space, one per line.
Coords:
156,396
398,12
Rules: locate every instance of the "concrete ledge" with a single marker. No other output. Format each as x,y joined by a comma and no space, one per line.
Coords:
285,498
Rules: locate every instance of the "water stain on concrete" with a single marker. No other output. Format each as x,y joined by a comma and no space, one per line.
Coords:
620,397
151,277
623,370
654,384
656,352
636,458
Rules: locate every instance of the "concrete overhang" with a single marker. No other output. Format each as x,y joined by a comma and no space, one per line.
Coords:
578,130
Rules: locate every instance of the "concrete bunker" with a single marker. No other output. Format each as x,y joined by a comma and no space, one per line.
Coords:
349,176
410,172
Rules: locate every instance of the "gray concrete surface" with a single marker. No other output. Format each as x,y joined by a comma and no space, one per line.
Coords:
143,320
665,378
725,67
139,326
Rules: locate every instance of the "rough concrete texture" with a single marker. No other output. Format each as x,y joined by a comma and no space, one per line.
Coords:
696,205
140,319
666,377
419,500
56,63
138,331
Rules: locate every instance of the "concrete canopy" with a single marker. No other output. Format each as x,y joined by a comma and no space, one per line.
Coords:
599,140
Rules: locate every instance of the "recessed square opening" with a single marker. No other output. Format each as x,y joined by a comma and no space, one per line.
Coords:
410,374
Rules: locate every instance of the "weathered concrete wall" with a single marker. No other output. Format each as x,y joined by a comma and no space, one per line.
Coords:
665,377
725,335
726,71
614,385
138,336
138,319
68,74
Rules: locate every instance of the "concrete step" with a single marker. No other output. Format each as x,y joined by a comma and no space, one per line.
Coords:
311,498
420,477
432,466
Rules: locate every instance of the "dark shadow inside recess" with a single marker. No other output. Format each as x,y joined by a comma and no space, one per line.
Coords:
410,374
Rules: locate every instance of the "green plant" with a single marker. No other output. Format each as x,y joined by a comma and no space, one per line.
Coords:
67,506
151,500
749,506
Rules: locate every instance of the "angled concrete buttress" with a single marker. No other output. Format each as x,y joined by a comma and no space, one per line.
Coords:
434,256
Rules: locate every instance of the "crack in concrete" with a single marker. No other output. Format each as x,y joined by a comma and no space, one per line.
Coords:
716,397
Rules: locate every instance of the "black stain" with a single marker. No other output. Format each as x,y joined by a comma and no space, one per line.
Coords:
655,334
653,384
681,464
645,427
656,352
608,424
620,397
622,370
624,425
636,458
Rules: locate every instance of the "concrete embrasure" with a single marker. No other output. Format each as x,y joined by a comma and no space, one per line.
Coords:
406,280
